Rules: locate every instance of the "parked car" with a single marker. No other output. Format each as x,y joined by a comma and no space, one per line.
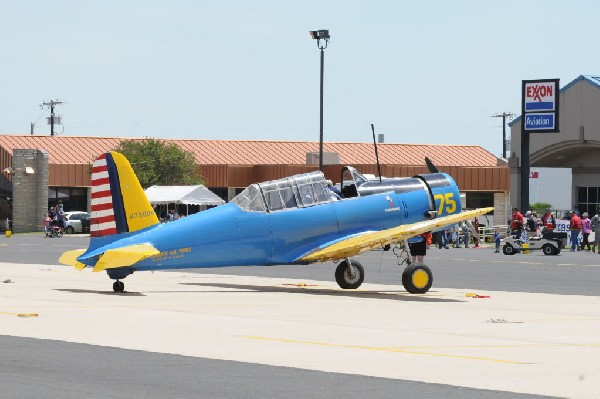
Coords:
73,221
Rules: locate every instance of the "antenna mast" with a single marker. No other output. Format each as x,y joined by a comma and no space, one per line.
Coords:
376,154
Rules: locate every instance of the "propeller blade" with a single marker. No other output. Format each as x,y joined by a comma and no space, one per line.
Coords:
431,166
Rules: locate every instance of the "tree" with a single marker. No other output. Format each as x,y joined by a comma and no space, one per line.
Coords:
158,162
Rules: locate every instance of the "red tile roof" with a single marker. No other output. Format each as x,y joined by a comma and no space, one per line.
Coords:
83,150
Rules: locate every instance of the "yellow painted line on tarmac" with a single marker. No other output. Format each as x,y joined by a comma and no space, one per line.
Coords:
20,314
520,346
384,349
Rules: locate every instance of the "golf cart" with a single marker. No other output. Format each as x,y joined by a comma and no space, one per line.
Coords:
550,243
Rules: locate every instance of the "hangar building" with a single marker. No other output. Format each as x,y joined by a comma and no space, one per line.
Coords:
37,171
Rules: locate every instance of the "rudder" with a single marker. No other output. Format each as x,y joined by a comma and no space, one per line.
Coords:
118,203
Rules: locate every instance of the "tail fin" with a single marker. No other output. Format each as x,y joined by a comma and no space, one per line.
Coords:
119,204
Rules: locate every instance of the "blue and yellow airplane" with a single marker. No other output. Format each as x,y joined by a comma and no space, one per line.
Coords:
293,220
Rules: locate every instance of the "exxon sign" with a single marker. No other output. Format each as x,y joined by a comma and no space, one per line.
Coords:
540,96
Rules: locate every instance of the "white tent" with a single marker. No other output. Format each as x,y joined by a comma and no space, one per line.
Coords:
187,195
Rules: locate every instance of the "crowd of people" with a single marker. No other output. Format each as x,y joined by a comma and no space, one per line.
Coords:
53,221
580,227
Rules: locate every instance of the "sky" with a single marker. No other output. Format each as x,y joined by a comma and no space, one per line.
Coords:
422,72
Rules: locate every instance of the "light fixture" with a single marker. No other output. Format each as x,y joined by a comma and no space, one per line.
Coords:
28,170
321,34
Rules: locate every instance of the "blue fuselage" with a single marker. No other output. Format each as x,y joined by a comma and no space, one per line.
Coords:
228,236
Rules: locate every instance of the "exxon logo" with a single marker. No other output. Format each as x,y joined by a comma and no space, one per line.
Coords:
540,96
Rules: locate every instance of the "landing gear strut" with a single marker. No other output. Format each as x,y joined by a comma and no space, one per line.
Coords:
118,286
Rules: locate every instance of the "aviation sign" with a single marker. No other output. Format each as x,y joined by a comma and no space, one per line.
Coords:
539,108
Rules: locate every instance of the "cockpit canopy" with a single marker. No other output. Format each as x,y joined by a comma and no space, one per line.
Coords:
292,192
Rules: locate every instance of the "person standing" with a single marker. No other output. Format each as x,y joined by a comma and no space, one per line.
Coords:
595,225
548,220
418,246
586,229
456,236
442,239
575,228
46,224
497,240
476,232
517,221
466,235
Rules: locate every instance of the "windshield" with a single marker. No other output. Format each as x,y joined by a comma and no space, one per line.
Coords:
293,192
250,199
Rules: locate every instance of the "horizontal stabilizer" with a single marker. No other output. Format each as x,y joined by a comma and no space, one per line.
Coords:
357,244
126,256
69,258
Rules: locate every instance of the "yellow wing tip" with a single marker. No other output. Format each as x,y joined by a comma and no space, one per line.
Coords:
69,258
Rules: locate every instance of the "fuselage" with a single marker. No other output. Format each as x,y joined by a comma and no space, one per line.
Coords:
230,236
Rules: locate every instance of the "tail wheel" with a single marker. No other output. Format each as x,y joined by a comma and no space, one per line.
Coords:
349,274
417,279
548,249
508,250
118,286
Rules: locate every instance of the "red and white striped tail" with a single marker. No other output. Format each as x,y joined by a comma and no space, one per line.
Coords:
103,215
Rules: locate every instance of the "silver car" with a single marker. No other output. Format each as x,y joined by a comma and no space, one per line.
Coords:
73,221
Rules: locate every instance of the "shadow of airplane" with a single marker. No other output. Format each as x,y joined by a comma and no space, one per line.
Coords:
79,291
391,295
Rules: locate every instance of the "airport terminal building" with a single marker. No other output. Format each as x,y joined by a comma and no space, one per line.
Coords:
576,146
38,171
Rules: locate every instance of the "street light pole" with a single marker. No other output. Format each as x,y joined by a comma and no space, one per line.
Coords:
322,38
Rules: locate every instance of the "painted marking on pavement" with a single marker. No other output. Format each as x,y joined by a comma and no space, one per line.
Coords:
383,349
20,314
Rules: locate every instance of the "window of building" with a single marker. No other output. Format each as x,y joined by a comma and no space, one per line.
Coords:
588,200
479,200
72,198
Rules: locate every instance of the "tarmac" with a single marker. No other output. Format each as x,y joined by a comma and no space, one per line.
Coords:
529,343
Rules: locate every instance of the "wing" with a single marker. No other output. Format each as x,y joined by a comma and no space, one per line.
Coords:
357,244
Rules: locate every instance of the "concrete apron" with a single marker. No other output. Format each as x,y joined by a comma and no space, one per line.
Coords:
518,342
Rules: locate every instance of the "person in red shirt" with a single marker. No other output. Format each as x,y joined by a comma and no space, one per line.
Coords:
575,227
516,224
548,220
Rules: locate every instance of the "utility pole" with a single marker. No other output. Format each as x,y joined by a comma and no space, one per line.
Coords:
53,119
503,115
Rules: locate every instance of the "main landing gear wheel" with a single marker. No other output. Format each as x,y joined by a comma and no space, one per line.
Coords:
417,279
118,286
508,250
349,277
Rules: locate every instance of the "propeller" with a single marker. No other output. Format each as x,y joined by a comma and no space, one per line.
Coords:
431,166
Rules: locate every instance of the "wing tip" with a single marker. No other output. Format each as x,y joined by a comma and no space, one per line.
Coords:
69,258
